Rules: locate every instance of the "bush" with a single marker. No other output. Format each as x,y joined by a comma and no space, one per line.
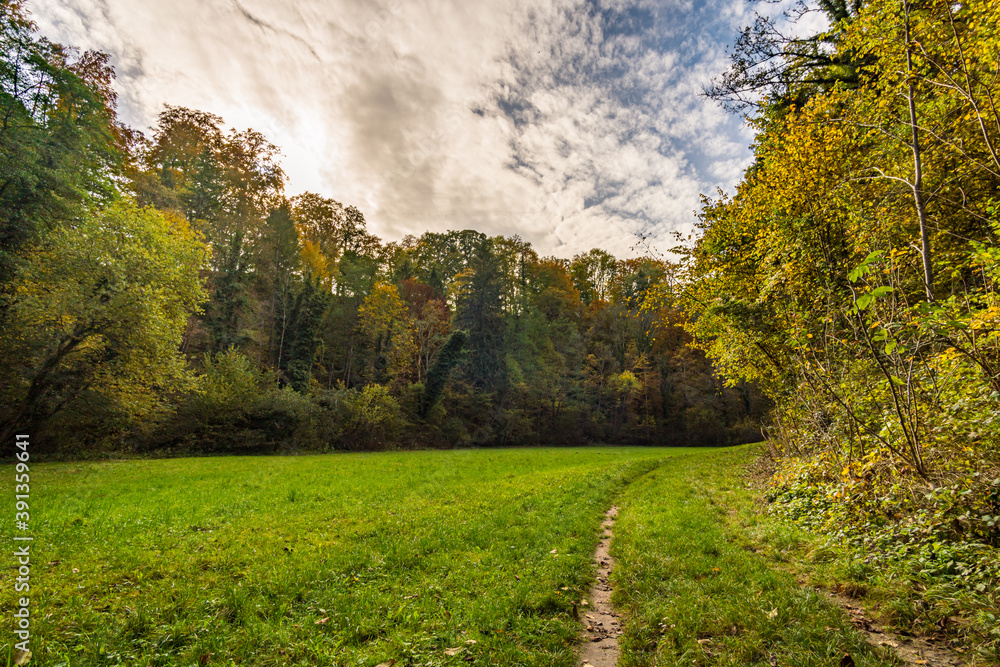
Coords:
238,408
373,420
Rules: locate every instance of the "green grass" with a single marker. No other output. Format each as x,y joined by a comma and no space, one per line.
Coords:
364,559
698,589
342,559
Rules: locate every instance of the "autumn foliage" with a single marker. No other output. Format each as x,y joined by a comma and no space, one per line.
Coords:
163,293
852,275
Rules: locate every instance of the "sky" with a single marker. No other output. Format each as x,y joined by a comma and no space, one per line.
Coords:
574,124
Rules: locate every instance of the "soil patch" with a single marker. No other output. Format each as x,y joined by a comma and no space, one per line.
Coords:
908,650
601,623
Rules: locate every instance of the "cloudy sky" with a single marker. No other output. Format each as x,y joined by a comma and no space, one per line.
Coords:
573,123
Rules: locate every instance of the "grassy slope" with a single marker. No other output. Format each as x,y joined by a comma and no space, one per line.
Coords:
362,559
344,559
694,587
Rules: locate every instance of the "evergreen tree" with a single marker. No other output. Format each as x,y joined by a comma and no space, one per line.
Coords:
302,337
480,312
437,376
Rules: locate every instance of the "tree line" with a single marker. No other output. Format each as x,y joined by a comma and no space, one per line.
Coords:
853,276
162,292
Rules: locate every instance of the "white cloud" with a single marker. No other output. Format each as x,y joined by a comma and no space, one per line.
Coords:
574,123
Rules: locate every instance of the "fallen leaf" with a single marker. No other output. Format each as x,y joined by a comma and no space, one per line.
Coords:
847,661
453,651
203,659
323,621
22,657
773,613
386,664
470,642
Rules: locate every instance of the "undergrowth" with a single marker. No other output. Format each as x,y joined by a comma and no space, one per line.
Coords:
923,551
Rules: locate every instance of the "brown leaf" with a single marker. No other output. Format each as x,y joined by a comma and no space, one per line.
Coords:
847,661
22,657
323,621
453,651
204,658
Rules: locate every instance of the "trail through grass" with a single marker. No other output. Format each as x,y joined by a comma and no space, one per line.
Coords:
694,589
429,558
423,558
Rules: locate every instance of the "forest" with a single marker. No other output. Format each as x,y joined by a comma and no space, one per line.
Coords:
852,275
162,292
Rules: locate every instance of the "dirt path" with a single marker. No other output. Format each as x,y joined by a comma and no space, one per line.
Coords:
909,650
600,637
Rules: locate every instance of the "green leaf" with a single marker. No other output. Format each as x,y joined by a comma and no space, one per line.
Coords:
890,346
864,301
872,257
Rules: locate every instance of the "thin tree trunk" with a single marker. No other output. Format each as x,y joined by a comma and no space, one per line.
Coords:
918,198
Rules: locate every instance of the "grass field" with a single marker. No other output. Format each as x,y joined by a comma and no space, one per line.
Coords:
423,558
698,589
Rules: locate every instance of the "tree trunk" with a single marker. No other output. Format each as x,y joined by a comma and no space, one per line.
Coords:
918,197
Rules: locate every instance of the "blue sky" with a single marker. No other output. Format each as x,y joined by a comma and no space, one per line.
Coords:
572,123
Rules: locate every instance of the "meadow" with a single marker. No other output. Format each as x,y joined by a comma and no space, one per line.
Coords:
421,558
706,578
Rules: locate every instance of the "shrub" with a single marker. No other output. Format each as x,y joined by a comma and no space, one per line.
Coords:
373,420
